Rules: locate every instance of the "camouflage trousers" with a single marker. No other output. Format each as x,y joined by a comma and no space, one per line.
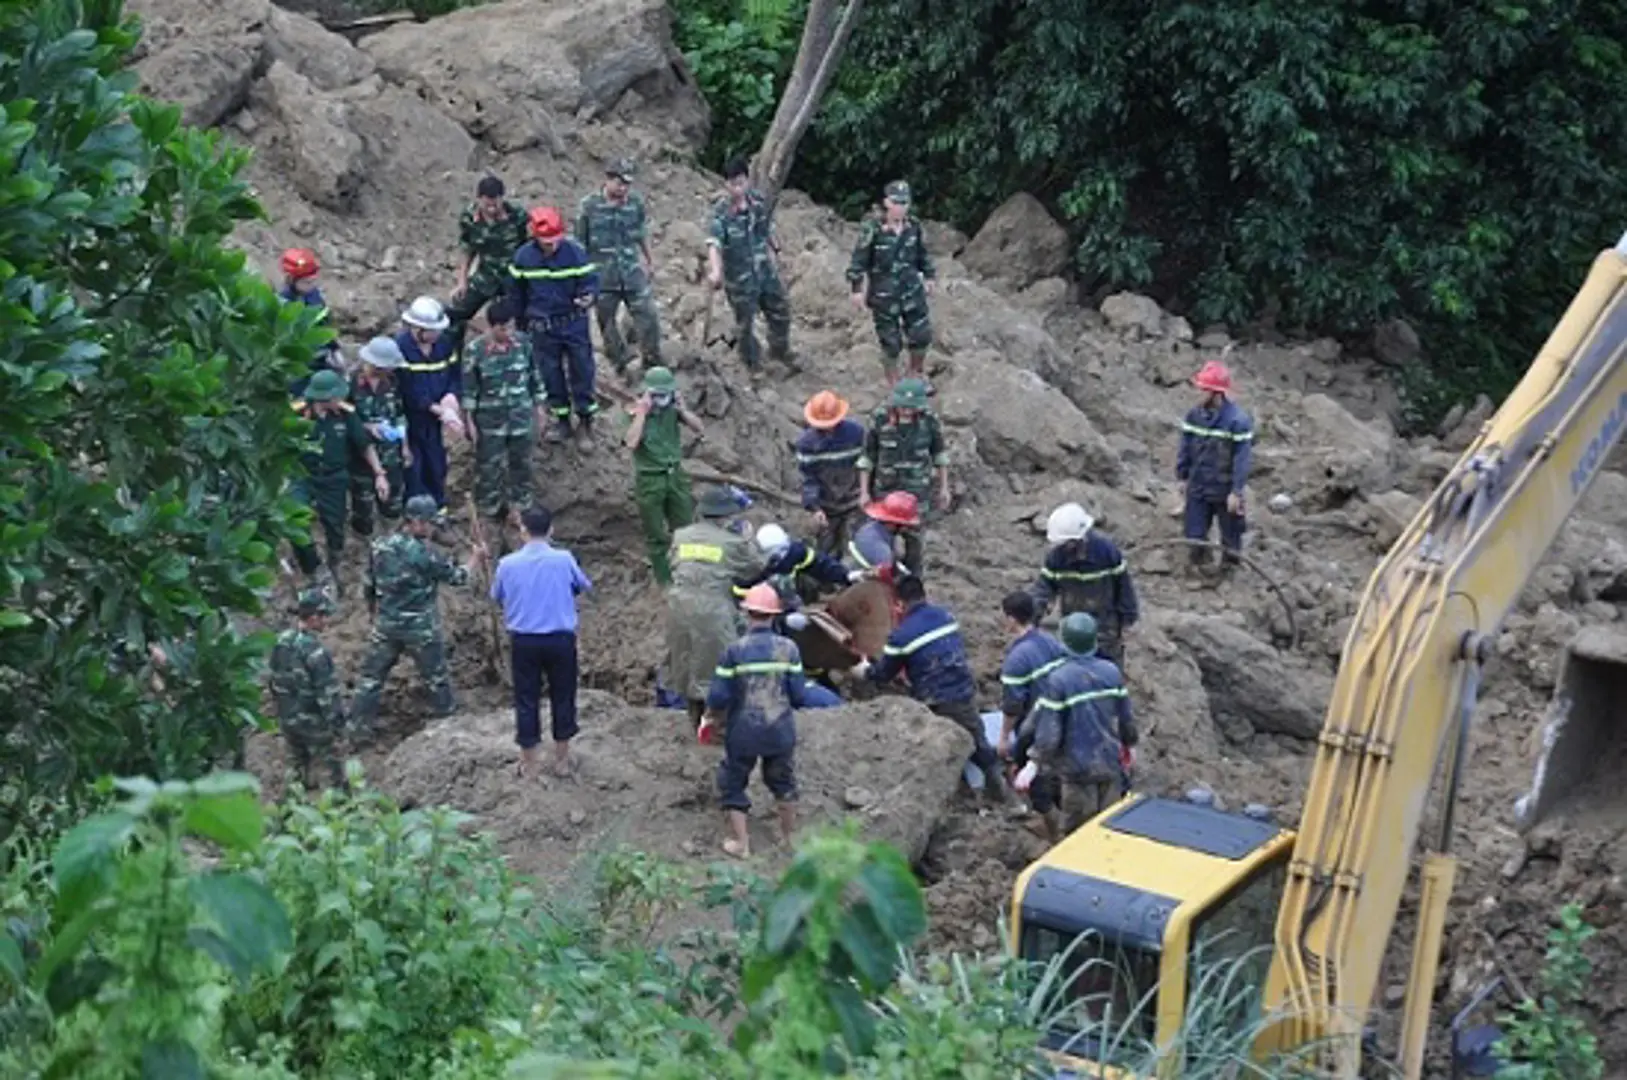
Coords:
483,289
314,743
384,648
899,321
646,321
364,503
767,295
503,478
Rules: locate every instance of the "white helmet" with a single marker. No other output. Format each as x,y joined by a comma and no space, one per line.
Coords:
426,313
1070,521
771,539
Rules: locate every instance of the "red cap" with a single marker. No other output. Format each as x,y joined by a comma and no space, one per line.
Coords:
546,223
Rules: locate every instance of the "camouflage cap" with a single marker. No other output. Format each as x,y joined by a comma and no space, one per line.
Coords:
622,168
421,508
314,601
899,192
326,386
909,394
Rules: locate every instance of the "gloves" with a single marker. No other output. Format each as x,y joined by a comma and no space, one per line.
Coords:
855,576
796,621
862,669
1025,777
703,733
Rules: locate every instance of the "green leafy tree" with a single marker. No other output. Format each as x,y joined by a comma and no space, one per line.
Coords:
146,438
1547,1039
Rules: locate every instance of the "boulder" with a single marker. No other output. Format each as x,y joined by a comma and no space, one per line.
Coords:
1019,244
1351,456
511,72
408,141
1021,422
1388,514
326,59
1251,686
1396,343
1132,313
1469,424
201,54
943,240
325,158
1606,500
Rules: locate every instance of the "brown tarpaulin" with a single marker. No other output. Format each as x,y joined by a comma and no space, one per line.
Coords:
866,611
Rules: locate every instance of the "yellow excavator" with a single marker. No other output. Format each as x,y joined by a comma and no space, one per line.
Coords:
1139,901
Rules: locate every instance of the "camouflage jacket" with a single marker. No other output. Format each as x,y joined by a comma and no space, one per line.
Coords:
379,404
891,264
404,579
500,388
745,237
902,458
493,241
614,236
303,684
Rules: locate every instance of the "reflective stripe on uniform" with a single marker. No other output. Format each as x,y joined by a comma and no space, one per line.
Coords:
828,455
545,274
738,591
709,553
858,556
424,368
1081,575
1043,669
1089,695
925,639
1217,433
807,561
763,667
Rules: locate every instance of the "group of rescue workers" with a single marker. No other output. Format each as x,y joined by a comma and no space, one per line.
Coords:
378,448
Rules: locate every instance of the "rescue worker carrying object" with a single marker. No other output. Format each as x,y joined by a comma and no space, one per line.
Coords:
1088,572
1217,440
875,544
707,558
789,558
554,286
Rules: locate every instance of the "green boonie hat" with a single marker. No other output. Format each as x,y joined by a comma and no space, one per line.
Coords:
660,380
421,508
909,394
716,502
1079,633
899,192
314,601
622,169
326,386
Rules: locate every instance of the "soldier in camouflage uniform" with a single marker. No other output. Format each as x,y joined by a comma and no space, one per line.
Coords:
405,578
892,274
377,405
490,230
306,691
740,255
613,229
501,391
337,443
904,451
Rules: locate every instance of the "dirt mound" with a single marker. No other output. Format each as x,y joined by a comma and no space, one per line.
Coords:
367,154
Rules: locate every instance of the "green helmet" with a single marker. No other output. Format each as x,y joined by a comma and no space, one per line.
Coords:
660,380
326,386
909,394
421,508
898,192
314,601
1079,633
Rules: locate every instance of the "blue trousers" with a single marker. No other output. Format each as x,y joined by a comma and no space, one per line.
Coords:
1201,511
426,475
533,657
565,363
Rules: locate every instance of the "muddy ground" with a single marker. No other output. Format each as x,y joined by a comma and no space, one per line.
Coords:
367,154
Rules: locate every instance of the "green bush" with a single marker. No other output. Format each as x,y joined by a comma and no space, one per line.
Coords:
740,52
1546,1039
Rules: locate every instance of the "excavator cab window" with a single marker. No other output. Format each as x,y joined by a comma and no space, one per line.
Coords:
1102,1002
1229,957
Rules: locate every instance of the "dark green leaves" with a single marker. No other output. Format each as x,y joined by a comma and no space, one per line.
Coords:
252,924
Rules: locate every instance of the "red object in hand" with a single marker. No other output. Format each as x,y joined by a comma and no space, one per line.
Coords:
1127,757
703,733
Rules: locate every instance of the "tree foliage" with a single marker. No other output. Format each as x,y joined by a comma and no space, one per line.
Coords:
146,436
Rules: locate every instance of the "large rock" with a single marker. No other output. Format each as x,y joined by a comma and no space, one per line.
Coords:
1133,313
201,54
1396,343
325,158
1250,686
326,59
1019,244
1021,422
513,72
1351,456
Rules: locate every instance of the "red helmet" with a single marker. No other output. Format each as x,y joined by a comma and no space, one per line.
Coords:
1214,377
546,223
299,263
896,508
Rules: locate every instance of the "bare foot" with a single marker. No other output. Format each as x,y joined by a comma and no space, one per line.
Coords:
564,767
736,850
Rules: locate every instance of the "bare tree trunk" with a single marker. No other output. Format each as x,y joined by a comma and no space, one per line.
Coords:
825,35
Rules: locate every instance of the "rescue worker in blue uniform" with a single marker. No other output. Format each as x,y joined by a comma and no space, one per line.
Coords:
756,686
1217,439
792,558
1078,736
299,271
1033,655
875,543
828,452
431,385
1087,571
927,647
554,286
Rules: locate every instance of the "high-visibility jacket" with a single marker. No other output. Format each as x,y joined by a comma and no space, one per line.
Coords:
1216,445
756,685
927,647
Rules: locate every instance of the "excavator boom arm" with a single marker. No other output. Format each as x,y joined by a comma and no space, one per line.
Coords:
1411,662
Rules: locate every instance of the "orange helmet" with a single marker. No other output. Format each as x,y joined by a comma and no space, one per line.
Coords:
546,223
762,600
299,263
824,410
1214,377
896,508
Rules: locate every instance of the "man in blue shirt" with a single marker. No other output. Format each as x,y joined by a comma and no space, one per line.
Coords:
537,587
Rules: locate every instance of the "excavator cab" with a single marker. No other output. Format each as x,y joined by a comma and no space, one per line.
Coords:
1153,913
1584,739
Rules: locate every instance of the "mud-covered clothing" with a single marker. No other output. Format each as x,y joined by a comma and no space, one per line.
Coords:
927,647
894,268
1034,655
874,547
661,486
1081,721
734,774
615,235
965,716
423,381
1076,800
757,684
378,404
796,559
405,577
1197,517
828,462
1091,575
1216,448
305,690
702,617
